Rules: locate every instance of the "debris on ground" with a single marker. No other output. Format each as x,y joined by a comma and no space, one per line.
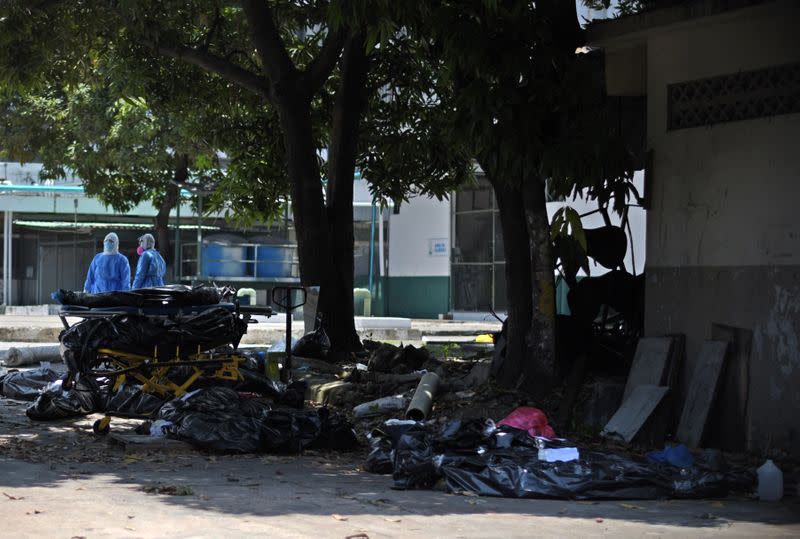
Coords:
168,490
431,417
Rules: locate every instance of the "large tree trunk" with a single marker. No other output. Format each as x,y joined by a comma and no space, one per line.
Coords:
307,204
167,202
540,374
350,102
519,294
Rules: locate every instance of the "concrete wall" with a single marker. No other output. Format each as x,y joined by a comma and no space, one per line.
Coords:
723,236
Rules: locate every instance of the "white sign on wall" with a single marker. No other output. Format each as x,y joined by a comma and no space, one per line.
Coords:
438,247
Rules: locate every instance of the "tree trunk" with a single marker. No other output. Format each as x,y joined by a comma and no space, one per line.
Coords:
519,294
350,102
168,201
307,205
540,375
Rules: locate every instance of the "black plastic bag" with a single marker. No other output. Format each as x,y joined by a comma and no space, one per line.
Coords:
84,397
143,335
294,395
313,345
413,460
467,460
462,434
220,419
170,295
217,418
26,385
380,459
518,473
129,400
336,432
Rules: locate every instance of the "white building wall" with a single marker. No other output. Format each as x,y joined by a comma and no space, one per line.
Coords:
412,233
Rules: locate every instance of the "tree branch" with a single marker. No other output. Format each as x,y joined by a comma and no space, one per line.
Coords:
276,62
320,68
215,64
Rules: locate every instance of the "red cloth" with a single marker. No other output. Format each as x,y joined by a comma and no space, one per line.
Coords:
531,420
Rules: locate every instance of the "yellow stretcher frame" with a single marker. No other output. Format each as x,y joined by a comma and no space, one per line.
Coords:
152,373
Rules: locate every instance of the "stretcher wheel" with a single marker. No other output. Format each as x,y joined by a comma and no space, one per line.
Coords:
102,426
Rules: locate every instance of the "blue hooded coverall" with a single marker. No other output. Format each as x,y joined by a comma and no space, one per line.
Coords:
151,266
109,270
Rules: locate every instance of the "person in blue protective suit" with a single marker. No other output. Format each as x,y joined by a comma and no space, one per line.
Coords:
151,267
109,270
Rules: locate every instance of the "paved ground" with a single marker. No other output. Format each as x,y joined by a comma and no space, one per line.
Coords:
59,480
45,329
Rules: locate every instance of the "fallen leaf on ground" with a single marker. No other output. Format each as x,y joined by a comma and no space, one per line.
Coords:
717,504
629,506
598,520
339,517
390,519
358,536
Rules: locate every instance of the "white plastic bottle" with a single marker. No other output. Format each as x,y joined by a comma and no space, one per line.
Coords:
770,482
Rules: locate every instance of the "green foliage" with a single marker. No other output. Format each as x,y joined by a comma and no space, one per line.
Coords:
623,7
405,146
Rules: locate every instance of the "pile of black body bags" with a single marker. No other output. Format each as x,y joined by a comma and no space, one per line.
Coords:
474,456
253,414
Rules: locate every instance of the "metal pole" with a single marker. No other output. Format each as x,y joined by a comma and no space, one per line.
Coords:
380,244
199,234
10,216
177,265
286,371
75,238
371,250
5,257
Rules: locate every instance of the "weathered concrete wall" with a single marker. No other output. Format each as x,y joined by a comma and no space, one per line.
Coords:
723,234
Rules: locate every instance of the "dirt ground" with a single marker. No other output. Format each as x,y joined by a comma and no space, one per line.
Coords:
60,480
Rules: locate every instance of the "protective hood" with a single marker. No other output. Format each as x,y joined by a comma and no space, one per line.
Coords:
111,244
147,241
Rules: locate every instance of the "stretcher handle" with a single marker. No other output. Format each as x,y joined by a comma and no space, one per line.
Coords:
286,303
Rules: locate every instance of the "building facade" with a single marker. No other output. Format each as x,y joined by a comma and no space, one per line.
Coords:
722,81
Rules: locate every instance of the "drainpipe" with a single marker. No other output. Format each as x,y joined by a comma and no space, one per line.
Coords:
177,266
380,243
199,234
7,257
372,248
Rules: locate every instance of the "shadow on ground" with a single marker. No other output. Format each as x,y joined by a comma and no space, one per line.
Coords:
64,461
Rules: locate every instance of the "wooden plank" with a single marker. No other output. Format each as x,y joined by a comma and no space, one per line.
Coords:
141,442
675,363
650,363
702,392
634,412
729,428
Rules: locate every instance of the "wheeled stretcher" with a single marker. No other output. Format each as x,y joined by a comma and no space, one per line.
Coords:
160,339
